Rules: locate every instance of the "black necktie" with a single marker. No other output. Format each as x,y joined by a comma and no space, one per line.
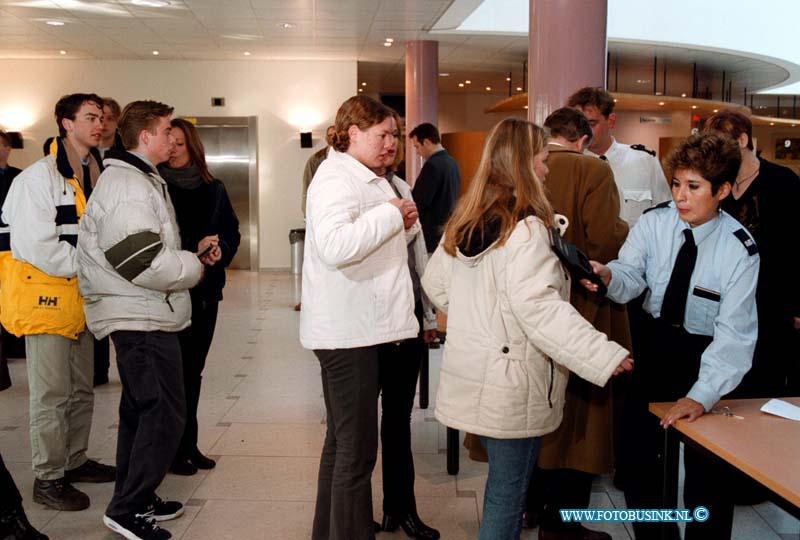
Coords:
674,305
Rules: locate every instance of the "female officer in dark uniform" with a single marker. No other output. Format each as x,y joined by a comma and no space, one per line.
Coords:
701,267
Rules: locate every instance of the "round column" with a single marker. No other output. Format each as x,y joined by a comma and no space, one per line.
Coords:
566,51
422,96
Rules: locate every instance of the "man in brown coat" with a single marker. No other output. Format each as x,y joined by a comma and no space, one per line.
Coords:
582,188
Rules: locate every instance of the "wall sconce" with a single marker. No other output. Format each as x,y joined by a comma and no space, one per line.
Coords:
16,139
305,139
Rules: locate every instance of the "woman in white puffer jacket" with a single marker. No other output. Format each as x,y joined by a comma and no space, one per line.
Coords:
512,336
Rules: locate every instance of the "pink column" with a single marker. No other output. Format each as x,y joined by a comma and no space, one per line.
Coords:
422,95
566,51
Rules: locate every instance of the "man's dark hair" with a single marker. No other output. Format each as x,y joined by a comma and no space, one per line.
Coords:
68,107
731,123
5,137
137,116
569,123
713,155
425,131
593,97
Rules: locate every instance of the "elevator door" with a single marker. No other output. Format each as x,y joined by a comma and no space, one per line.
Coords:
230,145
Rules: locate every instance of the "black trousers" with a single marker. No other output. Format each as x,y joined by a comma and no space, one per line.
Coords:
102,352
398,371
152,411
9,494
666,372
195,342
344,491
557,489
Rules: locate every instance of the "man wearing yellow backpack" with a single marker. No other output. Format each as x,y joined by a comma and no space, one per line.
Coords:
40,300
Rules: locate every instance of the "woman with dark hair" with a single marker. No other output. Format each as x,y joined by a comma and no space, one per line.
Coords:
207,221
701,269
512,336
358,302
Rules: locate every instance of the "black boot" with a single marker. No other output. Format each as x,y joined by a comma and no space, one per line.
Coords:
412,526
14,525
200,461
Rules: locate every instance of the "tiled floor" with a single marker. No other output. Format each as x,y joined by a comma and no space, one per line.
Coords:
262,418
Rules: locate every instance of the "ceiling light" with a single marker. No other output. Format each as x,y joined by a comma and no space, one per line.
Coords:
659,93
360,89
683,95
150,3
389,40
247,53
363,84
615,100
461,85
155,53
642,81
444,74
519,89
716,110
508,79
62,52
468,81
794,125
660,102
286,25
694,106
525,107
772,123
55,23
387,44
488,88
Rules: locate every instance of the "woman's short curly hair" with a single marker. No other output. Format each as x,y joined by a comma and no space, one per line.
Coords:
713,155
361,111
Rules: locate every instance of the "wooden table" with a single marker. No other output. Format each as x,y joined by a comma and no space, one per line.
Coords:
763,446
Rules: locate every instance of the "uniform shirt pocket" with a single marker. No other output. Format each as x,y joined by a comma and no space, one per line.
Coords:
702,310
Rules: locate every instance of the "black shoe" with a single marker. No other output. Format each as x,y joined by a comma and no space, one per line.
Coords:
100,380
91,472
137,527
182,467
202,462
59,495
14,525
412,526
164,510
377,527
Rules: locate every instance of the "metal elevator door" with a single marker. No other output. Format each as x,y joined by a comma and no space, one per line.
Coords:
230,145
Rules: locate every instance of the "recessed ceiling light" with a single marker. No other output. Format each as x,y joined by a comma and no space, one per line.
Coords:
155,53
360,89
716,110
525,107
55,23
772,123
488,88
389,40
508,79
683,95
150,3
794,125
387,44
444,74
286,25
468,81
615,100
247,53
519,89
461,85
694,106
62,52
660,102
363,84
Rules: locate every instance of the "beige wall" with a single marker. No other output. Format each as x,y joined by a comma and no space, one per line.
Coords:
286,96
466,112
629,129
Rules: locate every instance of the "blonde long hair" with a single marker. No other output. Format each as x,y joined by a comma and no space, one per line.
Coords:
505,186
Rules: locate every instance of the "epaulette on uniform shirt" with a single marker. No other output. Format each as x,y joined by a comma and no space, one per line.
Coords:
748,243
643,148
664,204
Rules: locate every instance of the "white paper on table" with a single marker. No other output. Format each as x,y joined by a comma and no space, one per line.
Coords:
778,407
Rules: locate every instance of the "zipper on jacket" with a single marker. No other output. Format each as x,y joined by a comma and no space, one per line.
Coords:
550,386
166,299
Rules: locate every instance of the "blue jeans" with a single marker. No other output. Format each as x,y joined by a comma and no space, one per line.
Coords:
511,463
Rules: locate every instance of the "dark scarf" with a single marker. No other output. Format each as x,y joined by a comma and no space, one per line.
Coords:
184,178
